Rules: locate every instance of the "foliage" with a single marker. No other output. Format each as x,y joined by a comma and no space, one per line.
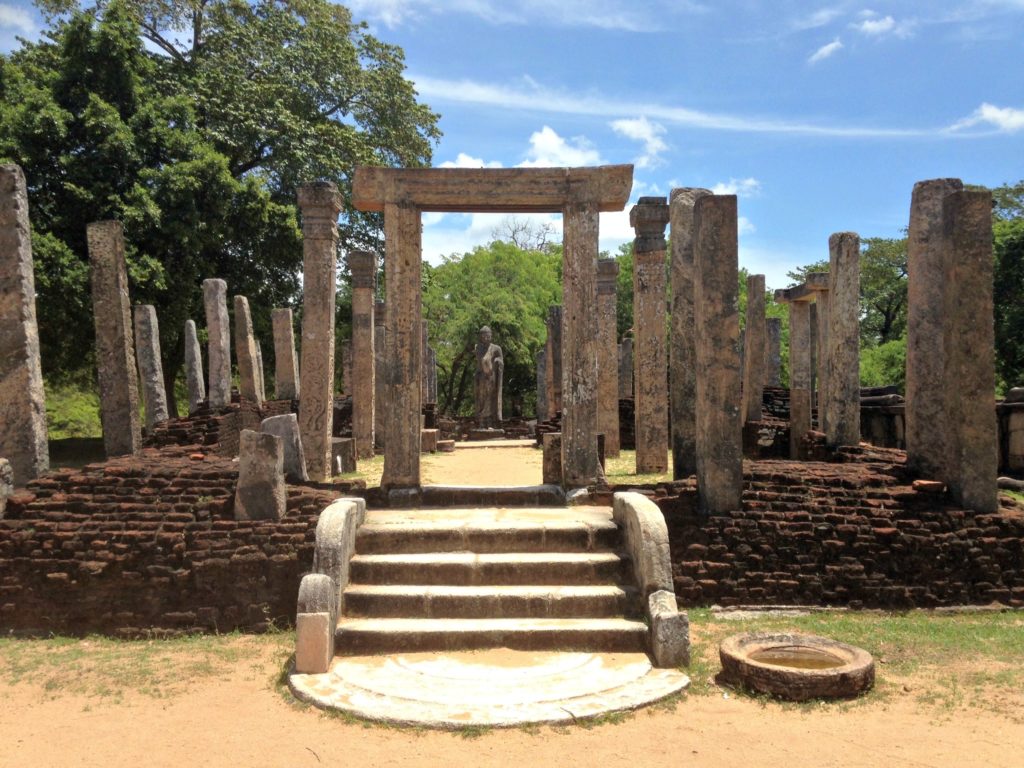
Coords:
72,410
196,149
885,364
1009,301
505,288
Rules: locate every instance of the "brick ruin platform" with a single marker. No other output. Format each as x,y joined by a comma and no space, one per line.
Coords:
145,545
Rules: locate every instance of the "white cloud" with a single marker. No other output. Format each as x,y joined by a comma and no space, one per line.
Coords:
744,226
462,160
749,187
529,96
642,129
875,26
1002,119
549,150
825,51
19,19
820,18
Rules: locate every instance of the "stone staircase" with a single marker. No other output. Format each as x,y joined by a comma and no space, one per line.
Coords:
522,578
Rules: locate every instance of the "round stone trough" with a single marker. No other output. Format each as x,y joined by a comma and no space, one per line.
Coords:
796,667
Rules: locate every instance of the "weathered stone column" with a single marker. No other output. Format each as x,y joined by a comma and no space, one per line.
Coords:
23,433
842,402
648,219
542,384
682,335
818,282
380,383
194,378
286,364
115,353
970,350
151,368
580,462
719,425
346,365
403,346
261,381
754,344
554,361
626,368
799,371
245,354
773,353
363,267
320,204
927,423
218,331
607,356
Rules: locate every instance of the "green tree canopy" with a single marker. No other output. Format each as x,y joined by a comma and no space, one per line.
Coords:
506,288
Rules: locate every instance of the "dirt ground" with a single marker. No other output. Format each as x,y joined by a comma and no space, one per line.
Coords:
236,717
517,465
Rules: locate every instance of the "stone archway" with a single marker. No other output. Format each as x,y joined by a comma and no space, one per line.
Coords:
402,194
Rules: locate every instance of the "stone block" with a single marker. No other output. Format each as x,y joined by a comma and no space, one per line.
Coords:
286,427
646,539
249,380
669,631
343,455
428,440
446,446
151,369
314,643
194,368
260,493
218,332
552,461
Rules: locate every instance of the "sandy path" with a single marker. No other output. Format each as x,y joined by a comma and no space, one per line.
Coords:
484,466
239,720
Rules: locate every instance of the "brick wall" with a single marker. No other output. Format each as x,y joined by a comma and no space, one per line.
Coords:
150,543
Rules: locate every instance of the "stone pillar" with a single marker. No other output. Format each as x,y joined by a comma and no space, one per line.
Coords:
194,377
286,364
23,433
554,361
320,204
431,369
682,335
842,401
542,384
754,344
607,356
403,347
719,437
245,354
820,341
115,354
151,368
648,219
260,493
580,464
927,423
346,365
626,368
218,332
380,384
261,381
970,350
799,375
425,374
815,361
364,382
773,353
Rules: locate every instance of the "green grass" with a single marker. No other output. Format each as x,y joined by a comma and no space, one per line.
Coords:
621,470
72,411
370,470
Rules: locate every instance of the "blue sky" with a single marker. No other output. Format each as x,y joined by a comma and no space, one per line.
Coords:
819,115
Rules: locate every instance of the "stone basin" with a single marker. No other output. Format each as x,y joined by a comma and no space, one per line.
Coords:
796,667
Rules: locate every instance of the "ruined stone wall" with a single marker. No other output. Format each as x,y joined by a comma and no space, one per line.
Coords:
145,544
851,534
217,429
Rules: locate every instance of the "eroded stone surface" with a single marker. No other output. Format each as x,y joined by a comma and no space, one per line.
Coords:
286,363
670,631
320,204
249,384
6,484
286,427
607,356
115,353
260,494
23,432
195,380
367,376
218,331
151,369
843,350
773,353
553,372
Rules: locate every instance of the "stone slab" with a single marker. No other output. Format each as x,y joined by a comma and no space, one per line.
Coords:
286,427
260,493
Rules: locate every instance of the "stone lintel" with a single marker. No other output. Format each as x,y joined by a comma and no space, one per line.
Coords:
499,190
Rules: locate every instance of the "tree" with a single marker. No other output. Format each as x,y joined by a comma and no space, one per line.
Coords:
197,149
505,288
1008,299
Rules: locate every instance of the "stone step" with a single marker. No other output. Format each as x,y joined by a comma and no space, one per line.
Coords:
363,636
487,602
487,536
471,568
